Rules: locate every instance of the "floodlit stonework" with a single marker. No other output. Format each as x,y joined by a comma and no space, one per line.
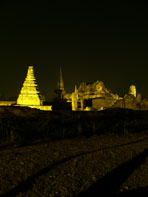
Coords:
7,103
29,94
132,90
75,98
92,96
95,97
87,97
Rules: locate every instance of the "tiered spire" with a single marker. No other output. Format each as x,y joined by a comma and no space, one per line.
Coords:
60,83
29,94
60,87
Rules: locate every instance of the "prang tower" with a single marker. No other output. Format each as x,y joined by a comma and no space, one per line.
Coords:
29,94
60,86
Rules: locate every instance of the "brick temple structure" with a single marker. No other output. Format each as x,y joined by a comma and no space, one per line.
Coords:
30,95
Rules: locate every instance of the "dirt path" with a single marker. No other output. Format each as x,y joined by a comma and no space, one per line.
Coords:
76,167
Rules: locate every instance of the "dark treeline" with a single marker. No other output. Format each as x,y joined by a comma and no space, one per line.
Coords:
23,125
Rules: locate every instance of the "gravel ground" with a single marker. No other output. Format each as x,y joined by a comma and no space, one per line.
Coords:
76,167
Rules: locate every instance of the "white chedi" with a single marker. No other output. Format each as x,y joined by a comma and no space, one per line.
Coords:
29,94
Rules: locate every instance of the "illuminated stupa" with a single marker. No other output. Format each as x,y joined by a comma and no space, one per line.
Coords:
132,90
29,94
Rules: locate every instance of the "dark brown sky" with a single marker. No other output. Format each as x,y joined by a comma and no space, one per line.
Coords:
107,42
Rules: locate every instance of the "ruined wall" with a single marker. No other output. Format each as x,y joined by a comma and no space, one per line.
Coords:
7,103
102,103
144,104
44,108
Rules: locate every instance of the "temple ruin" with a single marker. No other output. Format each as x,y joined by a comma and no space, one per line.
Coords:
60,91
92,96
30,95
87,97
95,97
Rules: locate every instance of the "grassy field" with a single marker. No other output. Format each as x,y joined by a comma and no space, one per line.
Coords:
68,154
24,125
76,167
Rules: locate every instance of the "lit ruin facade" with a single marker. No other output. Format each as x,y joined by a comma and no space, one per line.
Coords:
95,97
87,97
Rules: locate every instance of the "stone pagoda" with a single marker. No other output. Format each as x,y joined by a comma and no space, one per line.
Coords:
29,94
60,87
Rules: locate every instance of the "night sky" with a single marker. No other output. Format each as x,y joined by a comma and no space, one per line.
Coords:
107,42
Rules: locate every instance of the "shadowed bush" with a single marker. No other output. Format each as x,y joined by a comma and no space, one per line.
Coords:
24,125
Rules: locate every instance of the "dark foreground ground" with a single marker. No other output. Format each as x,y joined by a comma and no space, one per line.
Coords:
64,153
96,166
